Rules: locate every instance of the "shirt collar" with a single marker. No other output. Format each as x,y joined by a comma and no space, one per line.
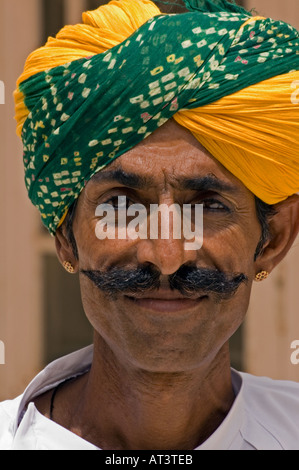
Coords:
73,364
229,429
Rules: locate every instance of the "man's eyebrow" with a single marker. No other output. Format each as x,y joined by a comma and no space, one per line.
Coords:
131,180
118,175
207,183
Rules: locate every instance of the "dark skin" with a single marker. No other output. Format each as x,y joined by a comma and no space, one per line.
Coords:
160,376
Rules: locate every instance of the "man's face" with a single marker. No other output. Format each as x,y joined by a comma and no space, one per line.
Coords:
160,326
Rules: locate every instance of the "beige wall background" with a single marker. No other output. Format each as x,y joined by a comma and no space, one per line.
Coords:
273,320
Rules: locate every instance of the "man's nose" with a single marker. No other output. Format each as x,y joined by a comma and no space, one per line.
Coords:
167,251
167,255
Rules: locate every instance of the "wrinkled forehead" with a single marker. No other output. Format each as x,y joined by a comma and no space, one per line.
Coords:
170,156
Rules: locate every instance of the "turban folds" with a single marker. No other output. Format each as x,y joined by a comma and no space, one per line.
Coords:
98,88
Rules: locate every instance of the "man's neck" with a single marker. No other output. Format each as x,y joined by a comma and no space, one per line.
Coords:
124,408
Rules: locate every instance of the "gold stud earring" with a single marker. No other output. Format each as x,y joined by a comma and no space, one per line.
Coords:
261,276
68,267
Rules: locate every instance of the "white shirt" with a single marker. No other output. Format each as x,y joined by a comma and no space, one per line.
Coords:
264,415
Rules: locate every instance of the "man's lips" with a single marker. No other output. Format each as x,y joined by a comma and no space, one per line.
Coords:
166,301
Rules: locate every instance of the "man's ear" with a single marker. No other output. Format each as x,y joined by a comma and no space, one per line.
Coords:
284,228
64,248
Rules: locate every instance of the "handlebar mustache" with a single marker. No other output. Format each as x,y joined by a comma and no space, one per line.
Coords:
188,280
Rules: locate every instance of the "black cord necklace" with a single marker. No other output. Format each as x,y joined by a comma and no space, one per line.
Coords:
58,387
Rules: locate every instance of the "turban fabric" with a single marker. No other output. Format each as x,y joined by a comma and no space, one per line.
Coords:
99,88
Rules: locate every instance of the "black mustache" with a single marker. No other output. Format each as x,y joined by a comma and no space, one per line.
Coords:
187,280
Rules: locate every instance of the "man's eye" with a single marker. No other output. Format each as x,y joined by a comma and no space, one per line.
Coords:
214,205
119,202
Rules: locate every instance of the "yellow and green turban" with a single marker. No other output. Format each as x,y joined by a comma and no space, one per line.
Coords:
99,88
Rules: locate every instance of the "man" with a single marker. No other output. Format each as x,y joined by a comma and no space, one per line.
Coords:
172,113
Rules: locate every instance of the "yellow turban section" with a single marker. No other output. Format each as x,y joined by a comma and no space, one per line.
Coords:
254,132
